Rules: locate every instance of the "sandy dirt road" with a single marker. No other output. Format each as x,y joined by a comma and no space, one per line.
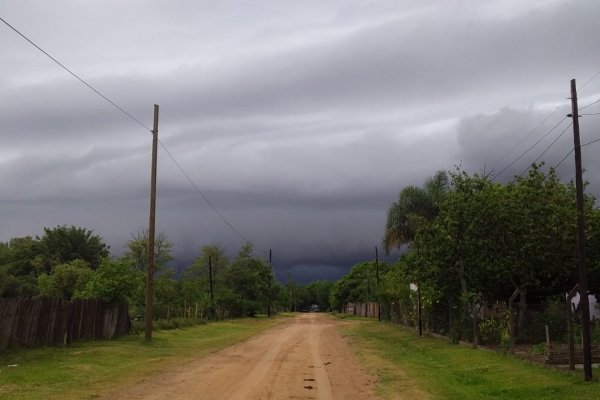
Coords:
303,358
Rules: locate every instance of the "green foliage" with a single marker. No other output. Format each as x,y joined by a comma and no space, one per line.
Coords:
414,207
490,331
136,253
539,349
316,292
64,244
489,239
66,280
175,323
113,282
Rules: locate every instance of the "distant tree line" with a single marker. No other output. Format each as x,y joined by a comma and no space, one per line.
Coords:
473,243
71,262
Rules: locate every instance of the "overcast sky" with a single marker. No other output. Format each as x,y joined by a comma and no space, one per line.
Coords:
299,120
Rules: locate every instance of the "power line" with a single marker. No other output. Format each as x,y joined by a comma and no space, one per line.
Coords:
525,138
572,150
118,107
215,209
564,158
590,114
589,105
529,149
593,141
589,80
547,148
125,112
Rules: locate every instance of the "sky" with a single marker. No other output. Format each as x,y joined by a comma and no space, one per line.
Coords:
300,121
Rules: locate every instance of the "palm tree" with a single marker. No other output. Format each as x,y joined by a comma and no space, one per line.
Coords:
415,206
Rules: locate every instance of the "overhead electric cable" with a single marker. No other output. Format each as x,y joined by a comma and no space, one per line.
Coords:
215,209
547,148
118,107
593,141
589,80
589,105
529,149
125,112
564,158
525,138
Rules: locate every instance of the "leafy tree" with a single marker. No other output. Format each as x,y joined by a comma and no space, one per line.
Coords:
316,292
415,205
247,283
113,282
20,261
66,281
64,244
197,280
137,251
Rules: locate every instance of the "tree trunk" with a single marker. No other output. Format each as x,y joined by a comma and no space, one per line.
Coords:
460,268
522,312
511,321
476,309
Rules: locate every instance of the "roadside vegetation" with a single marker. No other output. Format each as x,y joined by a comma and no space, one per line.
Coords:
489,262
71,262
403,361
86,370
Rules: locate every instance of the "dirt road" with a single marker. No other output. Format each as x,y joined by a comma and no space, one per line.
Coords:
303,358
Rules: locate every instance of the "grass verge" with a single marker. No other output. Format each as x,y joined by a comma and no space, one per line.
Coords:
442,370
86,370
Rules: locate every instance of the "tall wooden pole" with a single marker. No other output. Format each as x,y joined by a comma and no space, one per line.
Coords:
583,279
269,283
151,229
419,312
211,287
377,272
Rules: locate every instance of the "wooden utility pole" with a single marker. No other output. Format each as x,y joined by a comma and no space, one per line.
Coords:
151,229
269,283
419,312
211,287
289,291
583,279
377,272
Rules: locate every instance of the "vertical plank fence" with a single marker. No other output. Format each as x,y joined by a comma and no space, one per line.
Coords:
32,322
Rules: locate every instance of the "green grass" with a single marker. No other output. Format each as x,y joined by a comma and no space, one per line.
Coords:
447,371
85,370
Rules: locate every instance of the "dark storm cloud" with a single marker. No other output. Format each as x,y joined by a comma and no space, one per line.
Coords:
301,122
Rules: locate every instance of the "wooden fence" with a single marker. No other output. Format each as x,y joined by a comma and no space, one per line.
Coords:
49,321
368,310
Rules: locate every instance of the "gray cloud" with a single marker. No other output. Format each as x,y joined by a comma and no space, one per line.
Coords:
301,122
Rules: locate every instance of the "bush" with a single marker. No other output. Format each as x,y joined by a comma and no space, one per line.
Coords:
176,323
539,349
490,331
596,332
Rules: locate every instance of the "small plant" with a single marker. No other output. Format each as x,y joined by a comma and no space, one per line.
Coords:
539,349
490,331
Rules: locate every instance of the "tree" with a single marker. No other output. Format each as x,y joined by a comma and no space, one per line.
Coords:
113,282
198,280
20,261
66,281
64,244
415,205
247,280
137,251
